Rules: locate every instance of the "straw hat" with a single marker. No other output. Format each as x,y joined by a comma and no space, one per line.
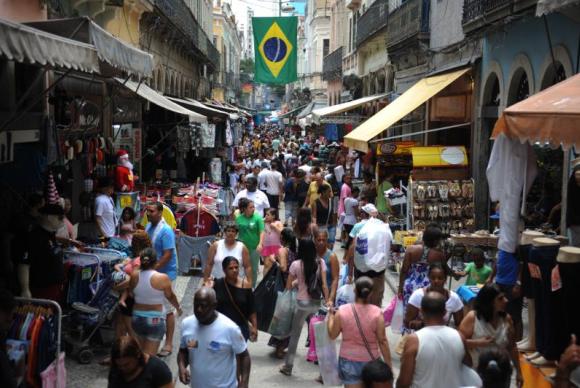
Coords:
568,255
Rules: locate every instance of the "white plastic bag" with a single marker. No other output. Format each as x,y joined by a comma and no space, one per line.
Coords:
372,246
343,275
327,355
397,321
281,323
344,295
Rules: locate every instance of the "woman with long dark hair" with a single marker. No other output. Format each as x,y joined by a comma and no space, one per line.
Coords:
131,367
310,275
304,228
488,326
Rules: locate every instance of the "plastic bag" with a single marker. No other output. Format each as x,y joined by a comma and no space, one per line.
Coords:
372,245
281,323
343,275
398,315
327,355
345,295
390,311
266,295
311,355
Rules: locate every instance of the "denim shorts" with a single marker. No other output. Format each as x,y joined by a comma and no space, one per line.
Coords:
151,328
350,371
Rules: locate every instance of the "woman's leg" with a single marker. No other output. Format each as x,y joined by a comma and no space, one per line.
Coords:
295,332
148,346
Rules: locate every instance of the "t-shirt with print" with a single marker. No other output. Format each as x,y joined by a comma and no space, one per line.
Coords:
155,373
212,351
349,214
165,240
356,228
105,209
476,275
250,229
452,305
296,270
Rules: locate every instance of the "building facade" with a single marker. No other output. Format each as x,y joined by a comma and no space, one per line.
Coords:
226,82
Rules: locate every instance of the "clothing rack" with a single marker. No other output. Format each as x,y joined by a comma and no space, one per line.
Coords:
57,312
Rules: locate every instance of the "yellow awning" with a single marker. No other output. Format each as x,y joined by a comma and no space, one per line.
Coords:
344,107
399,108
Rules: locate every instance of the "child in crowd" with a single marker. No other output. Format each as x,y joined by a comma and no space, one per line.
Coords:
127,224
477,272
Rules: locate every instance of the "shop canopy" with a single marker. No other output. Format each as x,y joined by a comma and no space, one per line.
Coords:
200,108
318,114
550,116
293,112
414,97
218,106
109,49
311,107
25,44
161,101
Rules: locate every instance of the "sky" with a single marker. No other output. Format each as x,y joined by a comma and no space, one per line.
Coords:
262,7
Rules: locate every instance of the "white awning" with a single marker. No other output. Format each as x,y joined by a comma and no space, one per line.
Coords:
317,114
111,50
161,101
200,108
26,44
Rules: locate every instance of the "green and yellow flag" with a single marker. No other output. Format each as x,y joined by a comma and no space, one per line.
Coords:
275,49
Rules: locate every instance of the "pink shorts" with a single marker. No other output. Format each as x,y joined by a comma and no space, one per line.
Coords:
270,250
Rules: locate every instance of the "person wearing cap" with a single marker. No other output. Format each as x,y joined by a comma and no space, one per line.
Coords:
573,209
105,215
124,178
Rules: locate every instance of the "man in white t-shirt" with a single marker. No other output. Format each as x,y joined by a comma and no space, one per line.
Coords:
212,346
434,356
274,184
105,215
251,192
265,170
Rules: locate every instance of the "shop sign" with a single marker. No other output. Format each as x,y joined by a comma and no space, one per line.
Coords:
396,148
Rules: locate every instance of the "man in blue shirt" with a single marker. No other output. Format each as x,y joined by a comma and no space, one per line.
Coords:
163,240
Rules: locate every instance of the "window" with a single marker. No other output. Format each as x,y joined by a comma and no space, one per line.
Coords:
325,47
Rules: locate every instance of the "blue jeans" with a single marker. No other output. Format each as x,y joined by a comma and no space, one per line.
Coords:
149,325
350,371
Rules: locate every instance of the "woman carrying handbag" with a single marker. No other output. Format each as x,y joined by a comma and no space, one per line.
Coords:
364,337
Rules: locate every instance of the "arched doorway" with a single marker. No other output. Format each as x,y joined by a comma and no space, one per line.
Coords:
554,73
519,88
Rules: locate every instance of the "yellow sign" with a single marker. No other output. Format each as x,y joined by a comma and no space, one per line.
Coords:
126,201
396,148
439,156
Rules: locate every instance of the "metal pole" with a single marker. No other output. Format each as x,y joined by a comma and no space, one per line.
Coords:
279,8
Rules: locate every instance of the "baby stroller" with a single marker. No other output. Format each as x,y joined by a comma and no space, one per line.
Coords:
88,319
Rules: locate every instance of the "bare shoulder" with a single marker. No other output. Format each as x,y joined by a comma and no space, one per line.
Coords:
411,344
160,280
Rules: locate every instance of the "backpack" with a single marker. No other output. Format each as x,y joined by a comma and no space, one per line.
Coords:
314,286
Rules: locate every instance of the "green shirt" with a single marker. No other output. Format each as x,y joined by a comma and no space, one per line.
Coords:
476,275
250,229
382,205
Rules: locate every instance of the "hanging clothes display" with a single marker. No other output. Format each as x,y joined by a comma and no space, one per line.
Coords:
331,132
207,135
215,167
229,134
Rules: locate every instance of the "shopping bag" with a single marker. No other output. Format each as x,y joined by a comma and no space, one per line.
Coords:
397,321
283,313
343,275
345,295
265,296
311,354
327,355
390,311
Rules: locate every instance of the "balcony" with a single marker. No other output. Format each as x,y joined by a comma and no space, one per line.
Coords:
179,14
353,5
372,21
332,65
479,13
410,20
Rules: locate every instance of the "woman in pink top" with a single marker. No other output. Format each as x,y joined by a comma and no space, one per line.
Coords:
272,229
363,334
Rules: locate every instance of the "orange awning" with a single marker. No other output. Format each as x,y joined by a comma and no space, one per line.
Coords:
551,116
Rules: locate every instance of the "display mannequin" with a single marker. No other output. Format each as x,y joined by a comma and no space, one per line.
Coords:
542,260
569,269
124,178
528,343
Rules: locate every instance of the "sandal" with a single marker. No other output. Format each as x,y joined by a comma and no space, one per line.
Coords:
164,353
285,370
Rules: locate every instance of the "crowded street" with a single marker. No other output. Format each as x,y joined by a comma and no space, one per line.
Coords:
303,193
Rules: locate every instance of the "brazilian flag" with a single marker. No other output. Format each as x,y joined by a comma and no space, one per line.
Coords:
275,49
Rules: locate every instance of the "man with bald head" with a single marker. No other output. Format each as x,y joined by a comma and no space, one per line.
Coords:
433,356
212,346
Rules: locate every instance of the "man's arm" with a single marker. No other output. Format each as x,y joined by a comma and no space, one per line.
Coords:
244,366
408,362
164,259
99,221
182,366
